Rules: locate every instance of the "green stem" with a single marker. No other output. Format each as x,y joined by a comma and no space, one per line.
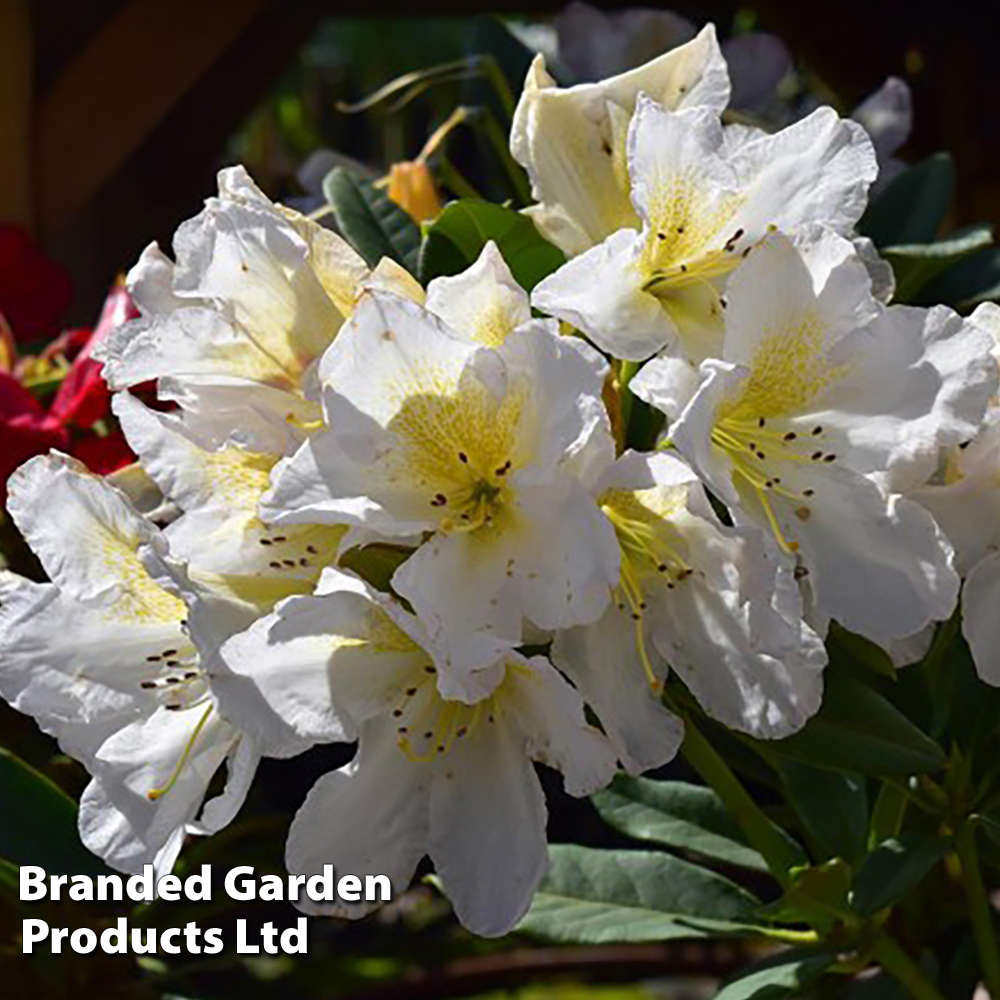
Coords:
900,966
980,911
495,75
498,140
626,373
887,814
452,179
758,829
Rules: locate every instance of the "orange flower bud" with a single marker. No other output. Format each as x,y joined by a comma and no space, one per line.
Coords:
412,188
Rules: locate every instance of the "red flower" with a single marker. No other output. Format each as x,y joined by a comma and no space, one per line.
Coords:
25,429
35,291
83,398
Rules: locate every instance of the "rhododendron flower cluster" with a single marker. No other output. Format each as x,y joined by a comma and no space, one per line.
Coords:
371,511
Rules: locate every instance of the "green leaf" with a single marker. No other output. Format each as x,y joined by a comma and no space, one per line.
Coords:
833,806
911,206
857,730
893,869
39,825
376,563
818,895
916,264
375,226
774,978
679,815
972,280
991,827
595,896
454,240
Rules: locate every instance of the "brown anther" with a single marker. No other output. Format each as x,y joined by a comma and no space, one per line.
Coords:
429,669
152,659
280,538
312,550
817,430
830,458
791,436
800,572
462,457
266,541
803,513
397,713
148,684
808,492
461,731
761,421
439,500
410,692
173,680
816,456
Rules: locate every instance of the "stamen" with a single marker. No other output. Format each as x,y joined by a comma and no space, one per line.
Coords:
158,793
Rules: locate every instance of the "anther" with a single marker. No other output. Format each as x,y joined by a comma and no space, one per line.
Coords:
462,457
791,436
800,572
803,513
830,458
816,456
761,421
266,541
410,692
280,538
808,492
148,684
817,430
312,550
439,500
153,659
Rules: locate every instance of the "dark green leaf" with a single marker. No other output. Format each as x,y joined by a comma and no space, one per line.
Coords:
682,816
597,896
832,805
911,206
856,729
774,978
991,827
916,264
817,895
893,869
376,563
375,226
972,280
454,240
39,825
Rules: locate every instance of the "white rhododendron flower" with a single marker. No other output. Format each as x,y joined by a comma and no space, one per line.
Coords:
257,292
213,458
821,390
433,775
697,596
572,141
100,658
484,303
966,503
489,451
705,195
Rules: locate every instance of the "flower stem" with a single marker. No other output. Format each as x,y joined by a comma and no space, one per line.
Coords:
901,967
980,911
626,373
761,833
